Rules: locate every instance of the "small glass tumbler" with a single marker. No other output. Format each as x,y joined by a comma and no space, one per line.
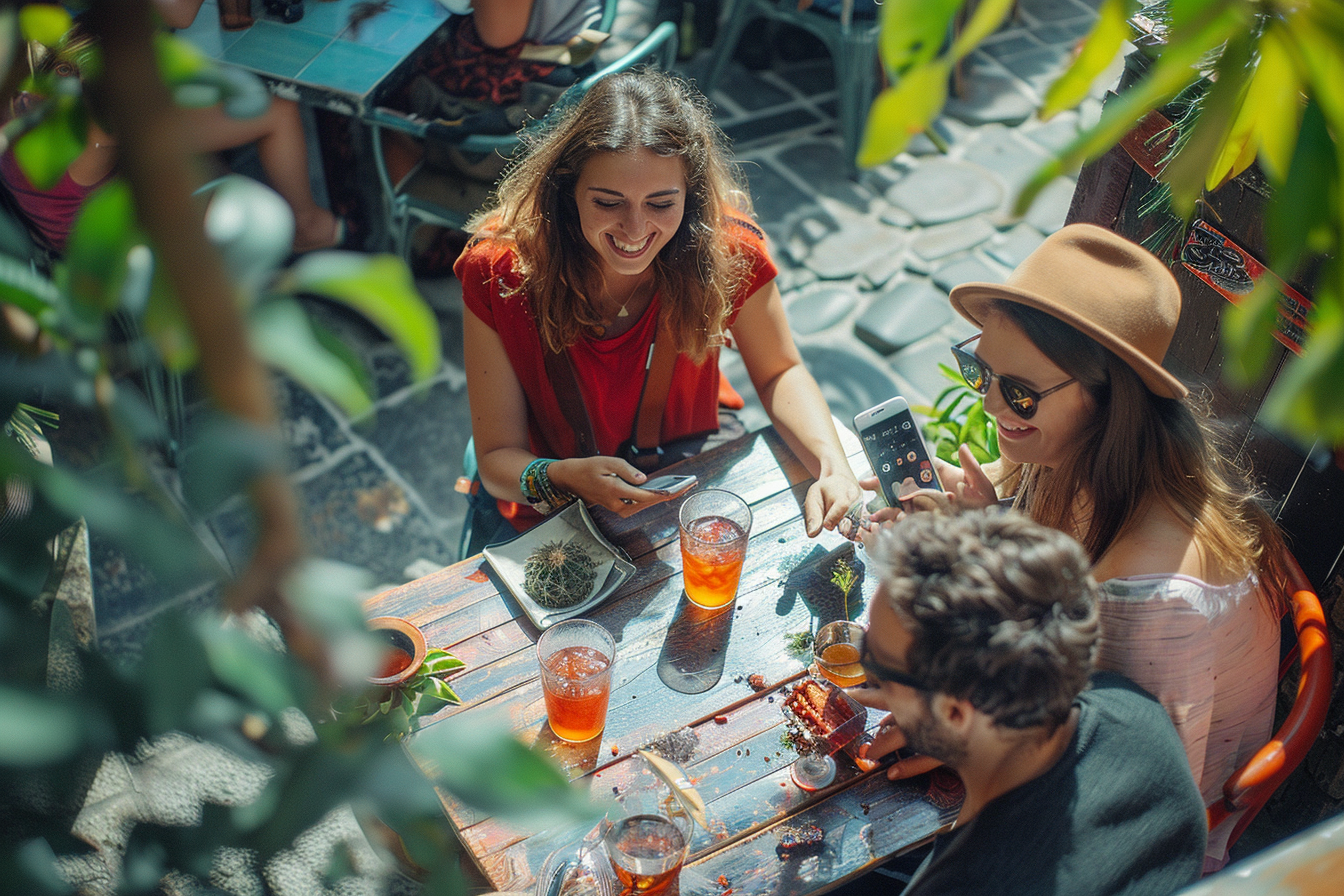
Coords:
715,525
576,657
648,834
836,653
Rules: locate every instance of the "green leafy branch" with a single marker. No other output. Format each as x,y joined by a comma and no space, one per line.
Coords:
798,643
957,417
1269,73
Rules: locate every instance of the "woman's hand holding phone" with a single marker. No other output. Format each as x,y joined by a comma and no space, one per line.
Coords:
656,490
604,481
966,486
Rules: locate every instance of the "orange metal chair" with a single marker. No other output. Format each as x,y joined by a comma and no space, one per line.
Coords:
1251,785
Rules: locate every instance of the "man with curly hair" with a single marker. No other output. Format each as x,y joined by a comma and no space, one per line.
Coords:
981,645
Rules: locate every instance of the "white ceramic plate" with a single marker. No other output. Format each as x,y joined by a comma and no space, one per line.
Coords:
572,523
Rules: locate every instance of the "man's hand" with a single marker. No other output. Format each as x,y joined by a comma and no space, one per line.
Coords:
889,739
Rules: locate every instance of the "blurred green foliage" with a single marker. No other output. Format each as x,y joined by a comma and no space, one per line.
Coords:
202,675
1270,73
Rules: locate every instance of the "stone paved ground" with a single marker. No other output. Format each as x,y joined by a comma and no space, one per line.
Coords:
865,266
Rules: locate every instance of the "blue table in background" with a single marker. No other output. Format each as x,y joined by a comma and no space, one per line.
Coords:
321,60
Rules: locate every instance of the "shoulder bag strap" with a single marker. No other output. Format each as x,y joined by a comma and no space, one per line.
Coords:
566,388
648,429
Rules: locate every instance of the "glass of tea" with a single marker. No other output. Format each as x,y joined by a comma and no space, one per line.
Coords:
576,657
714,526
647,838
836,653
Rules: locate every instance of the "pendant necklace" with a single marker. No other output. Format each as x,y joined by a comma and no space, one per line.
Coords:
628,299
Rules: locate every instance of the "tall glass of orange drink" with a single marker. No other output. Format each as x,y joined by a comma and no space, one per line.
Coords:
576,658
714,527
836,651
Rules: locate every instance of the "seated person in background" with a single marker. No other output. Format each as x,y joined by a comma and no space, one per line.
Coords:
624,229
1100,442
697,34
278,133
481,70
980,645
499,65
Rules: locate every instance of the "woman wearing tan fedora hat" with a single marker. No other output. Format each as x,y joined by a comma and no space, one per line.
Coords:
1099,441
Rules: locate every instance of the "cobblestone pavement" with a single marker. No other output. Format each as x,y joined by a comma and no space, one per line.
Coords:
865,266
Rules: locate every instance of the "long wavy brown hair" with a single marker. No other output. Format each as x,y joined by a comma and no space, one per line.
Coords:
1141,447
697,273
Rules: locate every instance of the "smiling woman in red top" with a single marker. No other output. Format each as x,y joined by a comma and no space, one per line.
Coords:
624,225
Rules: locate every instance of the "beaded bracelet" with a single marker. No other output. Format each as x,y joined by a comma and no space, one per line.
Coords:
536,486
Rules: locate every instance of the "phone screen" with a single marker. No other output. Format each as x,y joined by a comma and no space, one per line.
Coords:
896,451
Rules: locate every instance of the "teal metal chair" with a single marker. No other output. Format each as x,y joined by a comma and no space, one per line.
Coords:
411,202
852,44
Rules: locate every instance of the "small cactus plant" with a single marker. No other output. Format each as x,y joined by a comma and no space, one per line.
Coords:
559,574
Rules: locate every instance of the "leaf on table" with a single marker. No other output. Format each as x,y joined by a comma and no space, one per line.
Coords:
672,775
440,662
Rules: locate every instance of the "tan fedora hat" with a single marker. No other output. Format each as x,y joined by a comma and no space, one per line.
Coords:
1097,281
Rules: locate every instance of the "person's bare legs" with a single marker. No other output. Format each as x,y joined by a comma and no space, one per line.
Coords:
278,133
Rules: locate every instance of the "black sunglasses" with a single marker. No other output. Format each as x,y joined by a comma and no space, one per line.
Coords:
877,672
978,376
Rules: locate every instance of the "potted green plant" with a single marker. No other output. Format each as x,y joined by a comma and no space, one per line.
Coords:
410,681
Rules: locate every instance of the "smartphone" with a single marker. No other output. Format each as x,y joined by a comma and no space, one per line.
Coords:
669,484
894,447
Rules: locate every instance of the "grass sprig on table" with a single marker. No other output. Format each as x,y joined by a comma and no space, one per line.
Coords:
843,577
798,643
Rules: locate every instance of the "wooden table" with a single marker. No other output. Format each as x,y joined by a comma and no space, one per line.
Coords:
678,666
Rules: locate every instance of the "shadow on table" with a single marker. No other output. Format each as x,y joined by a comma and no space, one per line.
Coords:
693,654
815,580
575,759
